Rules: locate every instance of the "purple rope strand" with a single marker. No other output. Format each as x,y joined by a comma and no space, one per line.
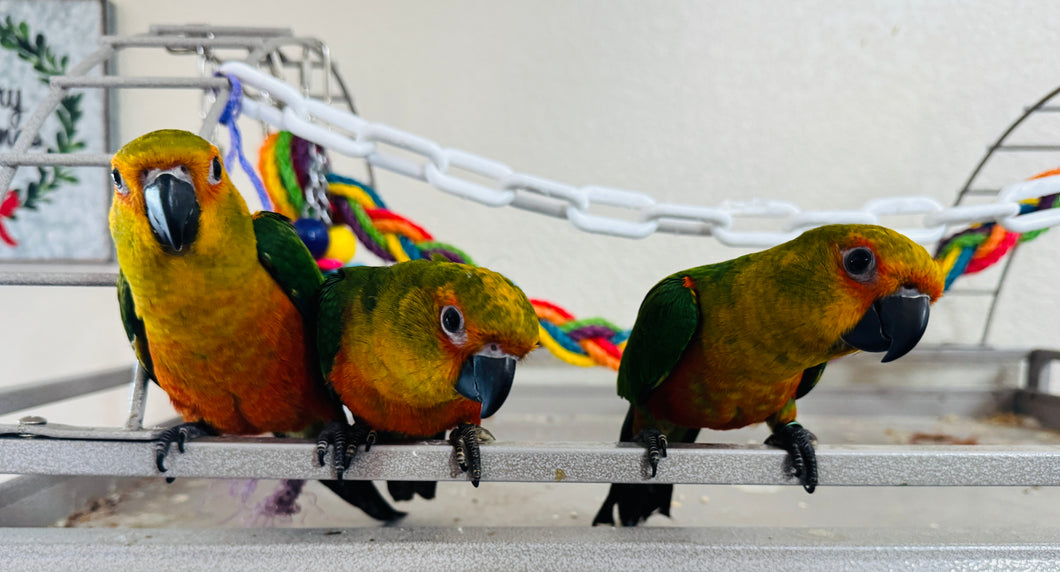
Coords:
586,332
228,118
342,207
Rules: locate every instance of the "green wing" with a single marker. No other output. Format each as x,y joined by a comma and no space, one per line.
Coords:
359,283
329,320
287,259
810,377
134,326
667,320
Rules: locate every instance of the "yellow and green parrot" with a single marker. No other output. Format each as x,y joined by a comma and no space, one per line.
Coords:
731,344
218,303
420,347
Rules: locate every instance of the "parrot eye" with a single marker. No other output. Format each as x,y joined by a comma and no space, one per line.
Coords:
215,171
453,324
860,263
118,183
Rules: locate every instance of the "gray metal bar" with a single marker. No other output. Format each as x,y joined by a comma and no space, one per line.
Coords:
112,81
52,275
33,427
582,462
140,41
213,116
1036,147
273,44
535,548
137,399
203,30
19,397
65,159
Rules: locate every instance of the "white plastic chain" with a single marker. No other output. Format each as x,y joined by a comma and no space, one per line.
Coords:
314,120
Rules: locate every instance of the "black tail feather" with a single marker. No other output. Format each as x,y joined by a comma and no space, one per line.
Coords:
405,490
636,502
363,495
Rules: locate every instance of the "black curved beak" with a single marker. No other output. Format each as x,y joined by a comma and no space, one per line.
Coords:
893,324
487,378
173,212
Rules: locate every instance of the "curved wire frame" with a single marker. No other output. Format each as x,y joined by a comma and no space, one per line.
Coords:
968,190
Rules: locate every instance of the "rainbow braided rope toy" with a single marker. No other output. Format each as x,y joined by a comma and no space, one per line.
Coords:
980,246
356,210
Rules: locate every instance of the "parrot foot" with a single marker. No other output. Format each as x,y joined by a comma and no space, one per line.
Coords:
335,433
801,462
465,439
181,434
361,434
345,439
656,443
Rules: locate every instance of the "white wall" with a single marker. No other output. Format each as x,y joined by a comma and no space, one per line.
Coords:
825,103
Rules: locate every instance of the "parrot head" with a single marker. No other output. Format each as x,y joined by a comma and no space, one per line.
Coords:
886,281
486,324
166,184
459,331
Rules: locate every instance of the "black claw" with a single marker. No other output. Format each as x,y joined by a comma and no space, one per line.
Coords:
656,443
801,462
160,455
334,433
361,434
180,434
345,440
465,442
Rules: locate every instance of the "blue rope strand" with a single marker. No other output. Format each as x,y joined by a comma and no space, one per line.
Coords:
562,338
958,267
410,248
228,118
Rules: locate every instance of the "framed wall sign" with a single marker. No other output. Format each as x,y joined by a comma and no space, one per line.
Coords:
53,212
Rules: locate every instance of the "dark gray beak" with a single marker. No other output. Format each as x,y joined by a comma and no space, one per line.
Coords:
893,324
173,212
487,378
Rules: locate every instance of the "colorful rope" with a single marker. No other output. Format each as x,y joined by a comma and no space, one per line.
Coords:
982,245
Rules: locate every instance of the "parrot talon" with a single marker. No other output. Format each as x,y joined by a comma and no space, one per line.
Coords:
656,443
360,434
180,434
465,440
335,434
801,462
369,440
